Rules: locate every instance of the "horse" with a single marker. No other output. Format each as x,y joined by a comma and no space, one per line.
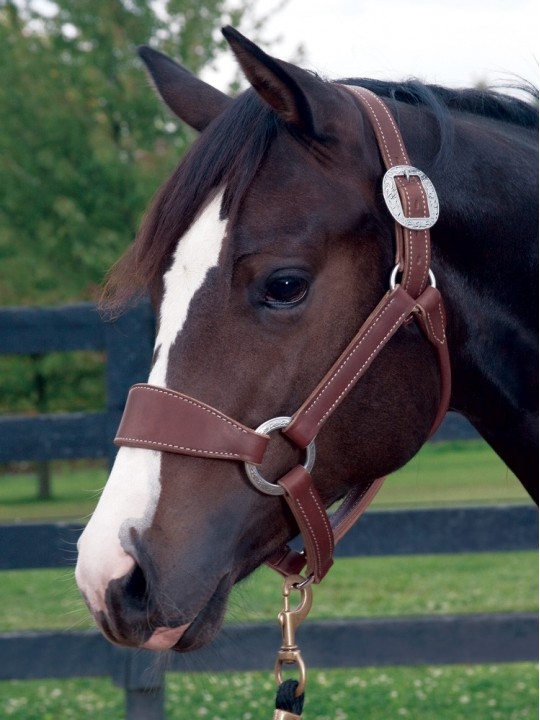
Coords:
262,254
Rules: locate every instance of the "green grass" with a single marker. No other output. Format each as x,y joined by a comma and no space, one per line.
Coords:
450,473
355,587
75,491
482,692
419,585
454,473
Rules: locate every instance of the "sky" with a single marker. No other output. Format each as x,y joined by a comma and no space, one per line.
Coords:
450,42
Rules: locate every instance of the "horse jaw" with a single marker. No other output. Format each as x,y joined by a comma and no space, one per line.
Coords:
130,497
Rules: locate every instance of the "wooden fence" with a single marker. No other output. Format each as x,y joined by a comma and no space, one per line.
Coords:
127,343
504,637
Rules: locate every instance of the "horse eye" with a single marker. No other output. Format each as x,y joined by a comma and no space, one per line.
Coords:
285,290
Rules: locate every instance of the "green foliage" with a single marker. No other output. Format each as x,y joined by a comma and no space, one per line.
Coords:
84,142
55,382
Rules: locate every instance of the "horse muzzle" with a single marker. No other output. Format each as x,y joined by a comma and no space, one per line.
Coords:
131,610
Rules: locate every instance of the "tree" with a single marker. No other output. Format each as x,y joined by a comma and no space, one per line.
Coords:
84,142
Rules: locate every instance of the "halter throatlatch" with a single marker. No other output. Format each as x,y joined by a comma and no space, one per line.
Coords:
169,421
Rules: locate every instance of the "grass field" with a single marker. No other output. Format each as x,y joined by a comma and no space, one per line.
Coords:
356,587
456,473
482,692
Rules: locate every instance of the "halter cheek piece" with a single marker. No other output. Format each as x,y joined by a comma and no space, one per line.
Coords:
169,421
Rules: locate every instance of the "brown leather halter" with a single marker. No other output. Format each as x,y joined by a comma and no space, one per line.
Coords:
162,419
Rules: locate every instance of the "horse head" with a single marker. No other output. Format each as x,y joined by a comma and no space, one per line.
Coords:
263,254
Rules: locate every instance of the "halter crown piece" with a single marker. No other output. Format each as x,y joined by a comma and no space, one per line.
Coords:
162,419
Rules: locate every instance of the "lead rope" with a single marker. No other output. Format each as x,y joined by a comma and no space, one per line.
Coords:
288,706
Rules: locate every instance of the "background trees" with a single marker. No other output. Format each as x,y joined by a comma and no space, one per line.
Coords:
84,142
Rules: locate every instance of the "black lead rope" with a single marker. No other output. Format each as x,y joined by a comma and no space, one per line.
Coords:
286,699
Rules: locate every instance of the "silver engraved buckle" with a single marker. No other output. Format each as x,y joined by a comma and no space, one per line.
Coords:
393,200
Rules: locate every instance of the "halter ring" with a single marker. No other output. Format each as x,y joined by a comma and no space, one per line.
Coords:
255,476
394,273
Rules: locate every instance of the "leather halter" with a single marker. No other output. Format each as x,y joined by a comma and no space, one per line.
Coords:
163,419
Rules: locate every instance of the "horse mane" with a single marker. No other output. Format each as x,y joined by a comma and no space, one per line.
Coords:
484,102
229,153
443,103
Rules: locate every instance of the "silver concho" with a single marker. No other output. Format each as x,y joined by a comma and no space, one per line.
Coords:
393,201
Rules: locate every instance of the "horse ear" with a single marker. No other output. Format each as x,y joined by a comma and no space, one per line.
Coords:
282,85
192,100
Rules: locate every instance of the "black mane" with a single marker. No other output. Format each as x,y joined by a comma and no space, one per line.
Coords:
486,103
444,102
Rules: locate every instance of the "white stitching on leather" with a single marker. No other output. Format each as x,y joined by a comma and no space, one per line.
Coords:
324,516
349,357
390,117
140,441
441,342
353,380
311,534
190,401
410,236
389,159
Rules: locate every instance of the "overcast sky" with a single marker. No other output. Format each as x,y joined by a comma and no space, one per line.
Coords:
451,42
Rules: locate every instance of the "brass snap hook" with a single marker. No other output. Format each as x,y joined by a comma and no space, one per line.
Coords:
290,619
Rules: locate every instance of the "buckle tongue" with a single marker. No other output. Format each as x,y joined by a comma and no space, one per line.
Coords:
393,200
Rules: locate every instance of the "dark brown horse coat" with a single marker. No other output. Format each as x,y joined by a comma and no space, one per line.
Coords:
263,254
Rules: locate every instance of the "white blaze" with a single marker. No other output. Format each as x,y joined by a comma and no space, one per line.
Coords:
195,255
132,491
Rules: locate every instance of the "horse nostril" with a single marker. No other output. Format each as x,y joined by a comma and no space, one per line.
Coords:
136,587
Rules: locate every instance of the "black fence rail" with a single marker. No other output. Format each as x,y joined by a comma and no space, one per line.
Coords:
127,342
510,528
439,639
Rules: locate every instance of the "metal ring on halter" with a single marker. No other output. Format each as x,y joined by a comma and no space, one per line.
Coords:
255,476
305,583
393,278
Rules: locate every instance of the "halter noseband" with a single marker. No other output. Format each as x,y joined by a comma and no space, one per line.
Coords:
163,419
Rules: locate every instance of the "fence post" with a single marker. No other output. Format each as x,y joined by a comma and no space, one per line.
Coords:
43,467
142,677
145,704
129,344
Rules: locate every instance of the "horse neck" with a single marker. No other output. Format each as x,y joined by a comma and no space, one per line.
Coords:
485,260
